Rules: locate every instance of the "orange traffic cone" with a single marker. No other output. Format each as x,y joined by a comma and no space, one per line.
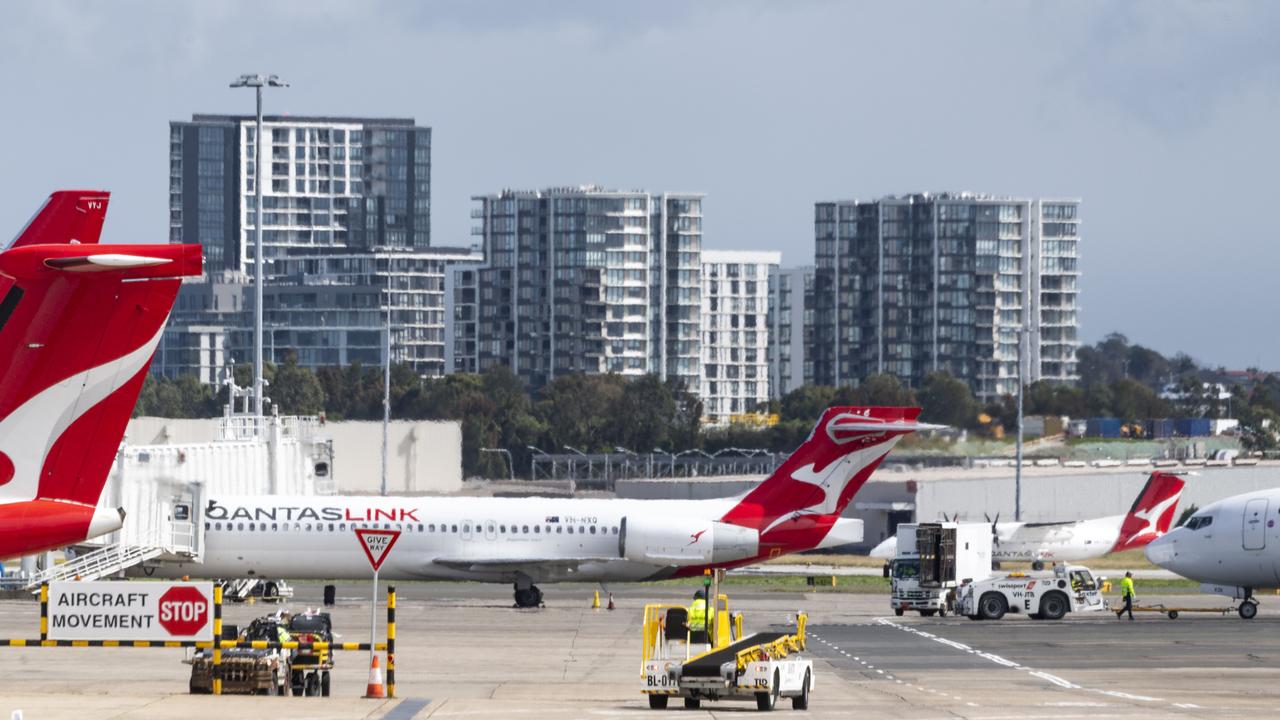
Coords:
610,601
375,689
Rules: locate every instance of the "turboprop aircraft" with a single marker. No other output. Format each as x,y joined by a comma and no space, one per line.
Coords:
1071,541
525,541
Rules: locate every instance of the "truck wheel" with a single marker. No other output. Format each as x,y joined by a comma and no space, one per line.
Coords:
942,611
767,700
313,685
692,703
295,683
801,701
928,613
1248,610
1173,614
1037,566
270,592
1053,606
657,702
992,606
898,611
324,684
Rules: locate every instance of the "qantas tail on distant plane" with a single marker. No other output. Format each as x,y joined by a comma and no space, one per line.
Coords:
79,322
1152,513
800,502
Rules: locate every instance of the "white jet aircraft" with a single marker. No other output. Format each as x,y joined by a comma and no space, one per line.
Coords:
529,540
1072,541
1232,546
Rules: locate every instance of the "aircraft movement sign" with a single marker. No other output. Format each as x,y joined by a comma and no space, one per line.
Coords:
130,611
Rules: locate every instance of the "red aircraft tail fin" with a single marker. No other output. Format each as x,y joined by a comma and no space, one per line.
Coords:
1152,513
803,498
67,216
78,326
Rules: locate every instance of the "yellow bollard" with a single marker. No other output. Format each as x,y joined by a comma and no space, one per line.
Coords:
595,601
216,669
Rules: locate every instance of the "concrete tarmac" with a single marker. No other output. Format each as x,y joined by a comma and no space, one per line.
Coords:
464,652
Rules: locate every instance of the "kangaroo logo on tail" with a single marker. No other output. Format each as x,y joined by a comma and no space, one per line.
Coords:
807,493
1152,513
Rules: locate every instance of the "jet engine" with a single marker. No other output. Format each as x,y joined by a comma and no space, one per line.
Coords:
685,541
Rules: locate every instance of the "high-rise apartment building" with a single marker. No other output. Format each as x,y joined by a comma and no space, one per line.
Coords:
583,280
735,332
346,232
790,326
909,285
328,182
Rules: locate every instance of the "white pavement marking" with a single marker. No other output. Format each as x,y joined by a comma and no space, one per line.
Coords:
1047,677
890,676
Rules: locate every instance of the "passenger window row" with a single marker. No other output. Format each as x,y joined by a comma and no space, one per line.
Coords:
407,527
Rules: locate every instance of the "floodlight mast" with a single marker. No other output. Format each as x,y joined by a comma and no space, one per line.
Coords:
257,82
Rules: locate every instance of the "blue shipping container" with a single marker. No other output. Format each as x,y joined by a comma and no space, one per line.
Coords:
1160,428
1194,427
1102,428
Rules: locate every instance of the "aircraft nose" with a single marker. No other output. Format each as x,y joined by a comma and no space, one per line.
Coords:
1163,551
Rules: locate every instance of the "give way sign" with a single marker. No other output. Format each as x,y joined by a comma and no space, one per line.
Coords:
377,544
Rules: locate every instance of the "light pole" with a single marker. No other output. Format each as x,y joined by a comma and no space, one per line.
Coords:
511,468
257,82
1017,469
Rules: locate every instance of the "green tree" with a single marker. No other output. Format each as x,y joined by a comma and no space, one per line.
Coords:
948,401
883,389
806,403
295,390
576,411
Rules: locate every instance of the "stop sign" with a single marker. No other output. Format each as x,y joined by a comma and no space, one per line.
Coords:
184,610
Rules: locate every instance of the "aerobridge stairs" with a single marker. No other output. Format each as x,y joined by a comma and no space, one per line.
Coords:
102,562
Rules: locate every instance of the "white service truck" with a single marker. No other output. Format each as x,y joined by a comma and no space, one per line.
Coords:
933,560
1040,595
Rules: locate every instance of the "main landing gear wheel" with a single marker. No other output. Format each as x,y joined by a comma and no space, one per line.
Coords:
530,597
1248,609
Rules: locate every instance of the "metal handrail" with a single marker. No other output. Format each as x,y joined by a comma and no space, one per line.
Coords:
100,562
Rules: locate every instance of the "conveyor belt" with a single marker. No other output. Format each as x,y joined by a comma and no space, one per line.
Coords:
709,665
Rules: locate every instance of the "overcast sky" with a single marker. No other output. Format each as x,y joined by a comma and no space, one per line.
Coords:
1161,116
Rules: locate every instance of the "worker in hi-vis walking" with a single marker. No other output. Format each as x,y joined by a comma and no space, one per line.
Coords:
1126,592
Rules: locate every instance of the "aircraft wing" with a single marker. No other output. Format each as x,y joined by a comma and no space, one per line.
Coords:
508,564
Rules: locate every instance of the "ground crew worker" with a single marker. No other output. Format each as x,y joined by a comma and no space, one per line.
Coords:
1126,591
697,621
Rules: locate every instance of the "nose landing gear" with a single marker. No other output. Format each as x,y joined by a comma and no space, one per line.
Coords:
1248,607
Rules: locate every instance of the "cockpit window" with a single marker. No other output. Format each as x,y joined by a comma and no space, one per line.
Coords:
1199,521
